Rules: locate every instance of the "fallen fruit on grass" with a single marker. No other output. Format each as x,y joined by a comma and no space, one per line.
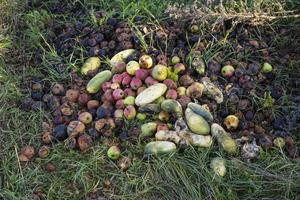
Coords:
129,92
119,68
227,71
114,152
141,74
124,163
72,95
129,112
148,129
175,60
201,110
129,100
118,94
85,117
179,68
172,106
83,99
231,122
106,86
224,139
70,143
26,154
60,132
58,89
118,114
50,167
279,142
159,147
90,64
218,166
186,80
100,124
120,104
141,116
159,72
171,94
75,128
135,83
44,151
126,80
146,61
150,81
93,104
132,67
170,84
96,82
84,142
196,123
47,137
150,94
267,68
195,90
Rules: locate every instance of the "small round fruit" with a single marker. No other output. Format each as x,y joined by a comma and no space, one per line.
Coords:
171,94
186,80
84,142
120,104
129,112
85,117
72,95
118,94
58,89
106,86
135,83
118,114
267,67
114,152
26,154
132,67
75,128
44,151
100,124
129,92
231,122
150,81
141,74
126,80
146,61
141,116
117,78
181,91
115,86
279,142
164,116
194,28
47,137
170,84
179,68
60,132
160,72
83,99
175,60
129,100
195,90
227,71
93,104
140,89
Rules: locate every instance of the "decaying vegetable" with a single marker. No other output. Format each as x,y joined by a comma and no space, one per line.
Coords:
95,83
224,139
148,129
218,166
196,123
250,151
201,110
90,64
195,60
212,90
120,57
231,122
159,147
150,94
172,106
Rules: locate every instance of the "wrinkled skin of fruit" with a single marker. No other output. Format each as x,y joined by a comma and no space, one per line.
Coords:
231,122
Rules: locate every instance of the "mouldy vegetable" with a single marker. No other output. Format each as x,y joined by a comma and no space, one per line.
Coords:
148,129
212,90
95,83
172,106
200,110
218,166
196,123
150,94
224,139
159,147
90,64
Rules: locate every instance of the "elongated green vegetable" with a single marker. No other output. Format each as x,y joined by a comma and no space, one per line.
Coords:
95,83
159,147
196,123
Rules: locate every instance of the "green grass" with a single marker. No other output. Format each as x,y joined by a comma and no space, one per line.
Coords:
183,175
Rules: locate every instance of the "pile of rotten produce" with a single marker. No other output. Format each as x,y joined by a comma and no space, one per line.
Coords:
172,108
